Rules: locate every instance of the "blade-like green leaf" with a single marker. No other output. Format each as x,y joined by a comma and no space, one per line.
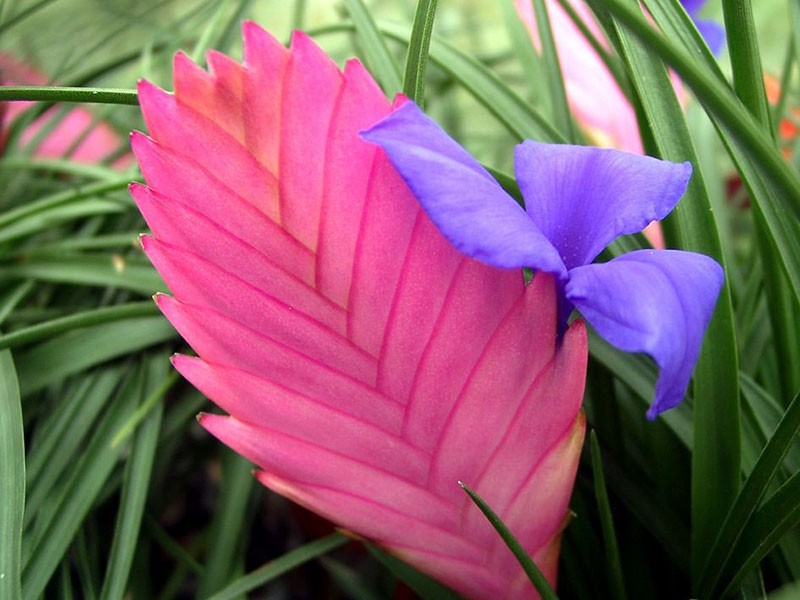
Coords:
69,94
555,80
531,570
135,487
112,270
716,459
779,514
614,565
418,45
380,61
12,479
57,529
274,569
753,490
59,439
425,587
77,350
109,314
718,101
228,526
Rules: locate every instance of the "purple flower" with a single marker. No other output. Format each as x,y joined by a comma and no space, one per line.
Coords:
711,31
578,200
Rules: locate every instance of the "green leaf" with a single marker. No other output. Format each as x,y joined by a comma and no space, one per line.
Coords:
275,568
555,81
135,487
114,270
716,458
80,349
613,563
512,111
748,74
537,578
425,587
380,61
779,514
62,434
753,490
718,102
56,530
97,316
69,94
228,525
418,44
12,479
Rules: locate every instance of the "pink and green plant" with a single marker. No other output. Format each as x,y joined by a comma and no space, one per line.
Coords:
367,366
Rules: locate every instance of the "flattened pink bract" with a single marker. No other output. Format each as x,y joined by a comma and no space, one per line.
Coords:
367,366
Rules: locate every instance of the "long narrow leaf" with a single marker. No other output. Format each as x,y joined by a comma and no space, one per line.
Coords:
716,459
228,525
96,316
614,565
418,46
555,80
779,514
380,61
135,488
753,490
537,578
274,569
12,479
718,101
48,362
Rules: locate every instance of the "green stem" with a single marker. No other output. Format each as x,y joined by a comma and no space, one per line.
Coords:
50,93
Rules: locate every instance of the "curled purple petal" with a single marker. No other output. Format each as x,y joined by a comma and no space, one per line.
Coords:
582,198
653,301
461,197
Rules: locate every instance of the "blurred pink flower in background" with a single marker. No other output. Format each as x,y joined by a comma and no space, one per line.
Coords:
78,135
367,366
595,98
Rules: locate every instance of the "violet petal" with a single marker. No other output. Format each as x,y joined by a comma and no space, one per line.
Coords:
582,198
464,201
653,301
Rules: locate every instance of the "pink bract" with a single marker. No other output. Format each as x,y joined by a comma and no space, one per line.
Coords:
366,365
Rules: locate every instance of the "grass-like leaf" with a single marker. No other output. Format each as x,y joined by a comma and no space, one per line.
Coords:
135,487
59,357
227,526
105,270
516,115
716,466
55,529
275,568
418,47
777,516
41,331
614,565
380,61
555,81
425,587
12,479
753,490
69,94
531,570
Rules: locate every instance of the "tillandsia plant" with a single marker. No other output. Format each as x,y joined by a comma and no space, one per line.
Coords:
379,297
366,365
